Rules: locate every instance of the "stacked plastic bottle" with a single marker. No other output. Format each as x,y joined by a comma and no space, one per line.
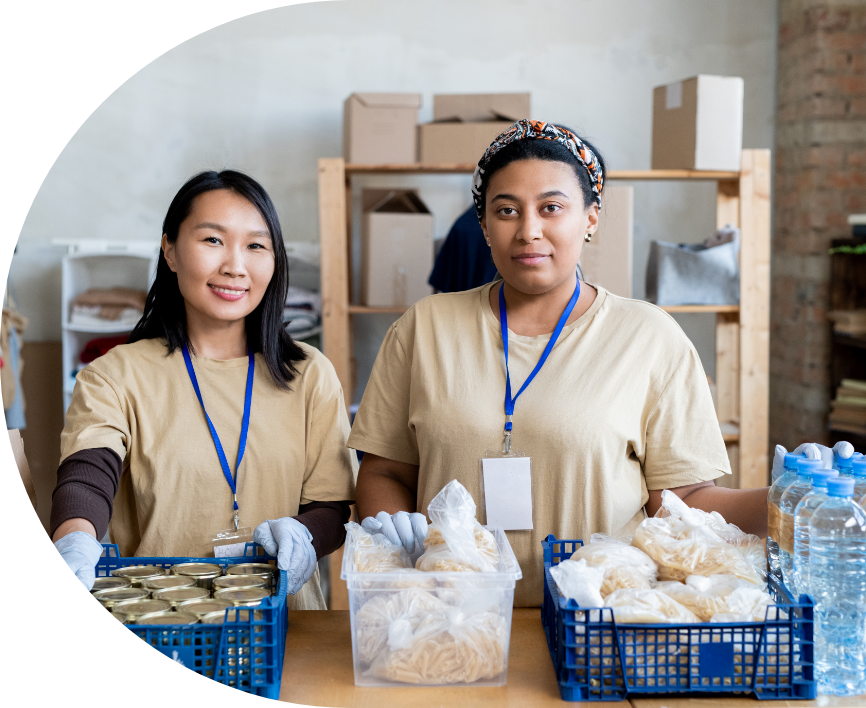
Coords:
790,498
858,470
816,496
838,579
774,515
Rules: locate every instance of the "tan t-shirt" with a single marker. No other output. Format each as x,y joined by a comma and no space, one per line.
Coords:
621,406
173,496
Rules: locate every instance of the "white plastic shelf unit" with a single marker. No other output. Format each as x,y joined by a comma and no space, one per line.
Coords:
98,264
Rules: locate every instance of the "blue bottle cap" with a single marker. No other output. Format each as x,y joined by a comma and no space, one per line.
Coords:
840,487
806,465
844,463
858,467
821,477
791,461
857,456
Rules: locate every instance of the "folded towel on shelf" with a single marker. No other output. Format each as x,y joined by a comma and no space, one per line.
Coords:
96,305
302,312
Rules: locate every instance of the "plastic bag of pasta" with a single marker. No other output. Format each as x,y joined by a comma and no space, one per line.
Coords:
624,566
578,581
455,540
631,606
374,553
685,541
449,645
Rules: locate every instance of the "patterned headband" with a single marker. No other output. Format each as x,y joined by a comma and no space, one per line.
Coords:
539,130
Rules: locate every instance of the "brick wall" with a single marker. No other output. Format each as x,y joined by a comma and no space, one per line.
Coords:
820,178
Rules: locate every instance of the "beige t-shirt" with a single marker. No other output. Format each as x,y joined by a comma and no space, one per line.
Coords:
621,406
173,496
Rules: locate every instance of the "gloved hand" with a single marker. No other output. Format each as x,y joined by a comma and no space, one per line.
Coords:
402,528
81,552
841,449
813,451
292,543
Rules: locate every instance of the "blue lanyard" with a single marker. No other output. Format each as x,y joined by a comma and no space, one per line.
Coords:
245,425
503,326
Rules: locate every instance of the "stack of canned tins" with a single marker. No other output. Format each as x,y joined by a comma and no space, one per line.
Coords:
187,593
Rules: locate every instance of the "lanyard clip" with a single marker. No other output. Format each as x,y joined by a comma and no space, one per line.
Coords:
506,446
236,520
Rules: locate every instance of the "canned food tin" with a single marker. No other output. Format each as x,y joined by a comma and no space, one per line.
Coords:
171,618
111,598
204,573
204,607
244,597
240,581
168,581
108,582
133,611
235,615
137,574
177,596
263,570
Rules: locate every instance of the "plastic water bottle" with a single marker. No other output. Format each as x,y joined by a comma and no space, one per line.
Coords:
774,516
790,498
838,571
858,470
816,496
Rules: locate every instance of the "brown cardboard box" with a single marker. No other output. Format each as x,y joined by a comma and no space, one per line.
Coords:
464,125
607,260
698,124
396,248
380,128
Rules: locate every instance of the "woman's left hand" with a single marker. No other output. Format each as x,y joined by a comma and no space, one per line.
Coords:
292,543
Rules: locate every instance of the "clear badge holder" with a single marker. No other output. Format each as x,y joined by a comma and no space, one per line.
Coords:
506,487
232,542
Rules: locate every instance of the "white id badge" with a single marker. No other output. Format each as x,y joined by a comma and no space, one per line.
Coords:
231,542
507,484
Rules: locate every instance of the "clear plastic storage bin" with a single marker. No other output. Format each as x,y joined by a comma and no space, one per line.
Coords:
432,629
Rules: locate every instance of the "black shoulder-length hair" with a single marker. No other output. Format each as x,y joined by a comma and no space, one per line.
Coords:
164,311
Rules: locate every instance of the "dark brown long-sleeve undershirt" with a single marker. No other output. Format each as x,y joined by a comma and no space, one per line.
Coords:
87,482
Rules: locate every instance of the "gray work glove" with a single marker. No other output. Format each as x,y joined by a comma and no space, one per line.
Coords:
81,552
401,529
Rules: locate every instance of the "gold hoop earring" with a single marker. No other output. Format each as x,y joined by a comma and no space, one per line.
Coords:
488,243
587,238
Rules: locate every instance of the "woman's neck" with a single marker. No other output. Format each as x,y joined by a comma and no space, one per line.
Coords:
216,339
534,315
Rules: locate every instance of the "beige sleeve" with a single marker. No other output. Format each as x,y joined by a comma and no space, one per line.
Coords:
381,425
684,443
96,416
331,468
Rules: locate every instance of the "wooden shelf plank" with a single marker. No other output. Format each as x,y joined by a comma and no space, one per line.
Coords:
847,340
701,308
365,310
467,168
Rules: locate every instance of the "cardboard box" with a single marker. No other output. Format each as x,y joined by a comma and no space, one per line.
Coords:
380,128
396,248
698,124
464,125
607,260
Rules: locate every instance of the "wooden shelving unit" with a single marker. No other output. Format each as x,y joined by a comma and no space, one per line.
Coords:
742,331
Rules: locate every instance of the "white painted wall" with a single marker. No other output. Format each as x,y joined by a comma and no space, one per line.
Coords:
264,94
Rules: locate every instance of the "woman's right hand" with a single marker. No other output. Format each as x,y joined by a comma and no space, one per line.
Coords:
81,551
403,528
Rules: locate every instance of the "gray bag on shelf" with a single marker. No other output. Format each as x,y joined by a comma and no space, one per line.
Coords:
705,273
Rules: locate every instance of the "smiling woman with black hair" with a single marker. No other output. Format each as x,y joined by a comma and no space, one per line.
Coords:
210,416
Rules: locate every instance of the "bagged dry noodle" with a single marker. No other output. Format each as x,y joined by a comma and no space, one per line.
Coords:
685,541
579,582
624,566
652,606
710,597
374,553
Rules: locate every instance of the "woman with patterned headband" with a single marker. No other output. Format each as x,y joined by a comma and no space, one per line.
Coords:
606,396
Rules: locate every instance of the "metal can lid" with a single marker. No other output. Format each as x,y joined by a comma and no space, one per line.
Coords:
112,597
204,607
138,572
177,595
135,619
241,581
170,618
141,608
197,570
251,569
242,596
107,582
168,581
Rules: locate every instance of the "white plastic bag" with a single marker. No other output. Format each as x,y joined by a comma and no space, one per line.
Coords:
578,581
455,540
624,566
374,553
631,606
684,541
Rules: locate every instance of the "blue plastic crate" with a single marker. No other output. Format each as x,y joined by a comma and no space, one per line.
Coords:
247,655
597,660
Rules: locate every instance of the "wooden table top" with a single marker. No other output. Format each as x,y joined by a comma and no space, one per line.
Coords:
318,671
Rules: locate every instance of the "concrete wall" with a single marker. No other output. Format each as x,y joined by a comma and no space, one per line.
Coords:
264,94
820,179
